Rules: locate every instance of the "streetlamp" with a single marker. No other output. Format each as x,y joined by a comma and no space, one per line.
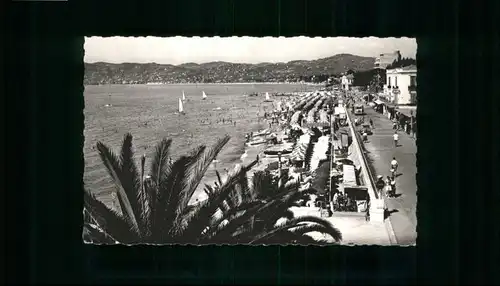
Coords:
279,161
279,169
411,122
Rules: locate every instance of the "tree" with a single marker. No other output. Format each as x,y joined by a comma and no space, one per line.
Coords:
402,62
277,195
376,83
155,209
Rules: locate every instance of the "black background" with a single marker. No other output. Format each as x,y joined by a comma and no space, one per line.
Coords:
458,155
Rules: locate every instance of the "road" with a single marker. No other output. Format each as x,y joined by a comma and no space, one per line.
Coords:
380,151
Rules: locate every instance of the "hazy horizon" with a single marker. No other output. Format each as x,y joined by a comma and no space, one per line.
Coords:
249,50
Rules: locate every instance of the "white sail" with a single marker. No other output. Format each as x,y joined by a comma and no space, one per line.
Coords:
181,107
267,96
183,95
204,95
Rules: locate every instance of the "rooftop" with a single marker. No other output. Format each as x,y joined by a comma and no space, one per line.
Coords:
410,68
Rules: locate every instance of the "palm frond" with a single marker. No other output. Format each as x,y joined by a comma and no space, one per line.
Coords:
108,220
259,210
288,214
168,198
131,181
234,212
93,234
160,166
112,164
290,238
224,233
219,179
201,219
328,229
202,166
244,188
209,190
184,195
151,194
335,233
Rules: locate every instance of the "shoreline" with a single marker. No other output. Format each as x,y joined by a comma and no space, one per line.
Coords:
207,83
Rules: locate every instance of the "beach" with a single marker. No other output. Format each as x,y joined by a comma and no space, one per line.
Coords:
149,113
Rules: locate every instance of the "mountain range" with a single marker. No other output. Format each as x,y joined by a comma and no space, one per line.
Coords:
224,72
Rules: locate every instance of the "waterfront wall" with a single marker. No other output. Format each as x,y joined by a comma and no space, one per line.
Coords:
376,204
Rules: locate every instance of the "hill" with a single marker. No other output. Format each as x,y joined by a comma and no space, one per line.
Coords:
223,72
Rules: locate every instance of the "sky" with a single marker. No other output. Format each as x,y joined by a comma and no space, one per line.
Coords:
178,50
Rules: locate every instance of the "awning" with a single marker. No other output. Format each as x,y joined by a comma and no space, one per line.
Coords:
299,152
378,102
407,112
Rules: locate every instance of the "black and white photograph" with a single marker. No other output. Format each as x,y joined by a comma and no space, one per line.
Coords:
248,140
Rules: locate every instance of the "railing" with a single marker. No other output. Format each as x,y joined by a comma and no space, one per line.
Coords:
356,138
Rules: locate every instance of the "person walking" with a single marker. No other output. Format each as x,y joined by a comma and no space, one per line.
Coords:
393,187
394,166
365,136
388,187
380,184
396,138
371,123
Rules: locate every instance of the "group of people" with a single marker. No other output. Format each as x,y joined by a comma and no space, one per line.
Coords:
389,183
342,202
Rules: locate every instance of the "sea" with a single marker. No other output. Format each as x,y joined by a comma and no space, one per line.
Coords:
150,113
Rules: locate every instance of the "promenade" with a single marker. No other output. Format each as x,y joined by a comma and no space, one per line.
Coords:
380,151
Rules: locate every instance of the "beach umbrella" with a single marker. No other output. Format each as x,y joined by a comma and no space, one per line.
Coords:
299,152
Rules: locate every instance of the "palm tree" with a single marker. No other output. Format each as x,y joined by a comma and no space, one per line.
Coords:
155,209
271,199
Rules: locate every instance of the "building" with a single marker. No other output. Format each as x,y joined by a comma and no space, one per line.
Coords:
401,85
347,81
386,59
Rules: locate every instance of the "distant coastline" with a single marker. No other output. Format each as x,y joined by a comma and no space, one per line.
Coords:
316,71
213,83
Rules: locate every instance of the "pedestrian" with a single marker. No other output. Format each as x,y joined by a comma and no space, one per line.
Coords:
388,187
394,165
396,138
365,136
380,184
371,123
393,186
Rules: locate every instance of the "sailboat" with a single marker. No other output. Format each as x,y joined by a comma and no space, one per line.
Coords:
181,107
109,99
183,96
268,98
204,95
